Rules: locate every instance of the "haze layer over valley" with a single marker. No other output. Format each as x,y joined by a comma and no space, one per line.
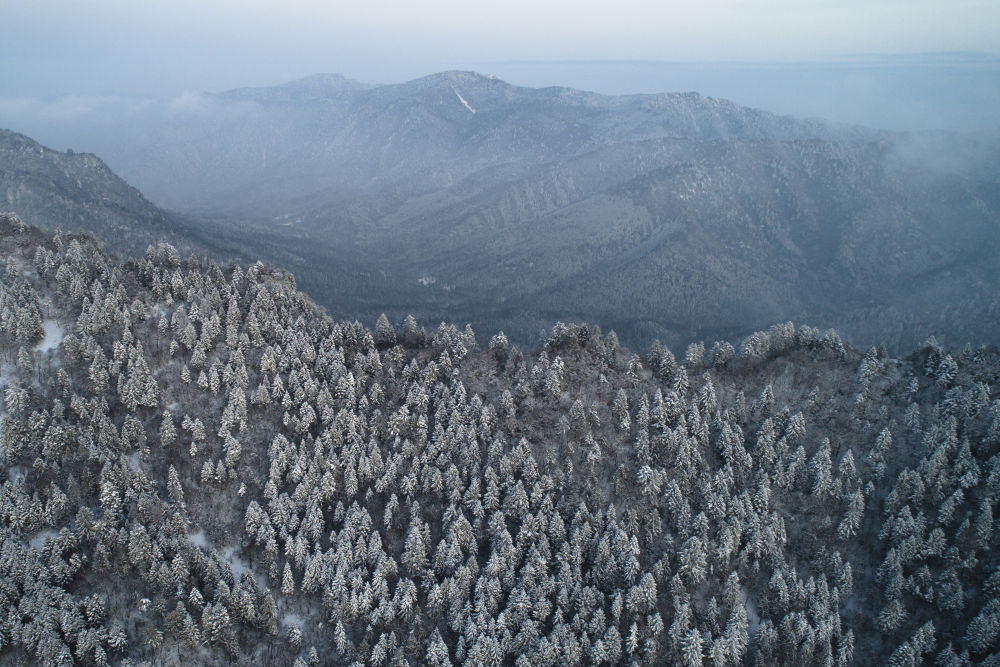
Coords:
459,197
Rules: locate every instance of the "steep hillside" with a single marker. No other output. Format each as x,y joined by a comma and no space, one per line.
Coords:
78,192
201,466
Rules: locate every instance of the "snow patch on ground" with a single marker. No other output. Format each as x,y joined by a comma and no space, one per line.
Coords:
237,564
750,605
853,604
292,619
227,555
54,335
198,539
462,100
38,540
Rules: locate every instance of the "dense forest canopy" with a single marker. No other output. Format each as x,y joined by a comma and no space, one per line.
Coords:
202,465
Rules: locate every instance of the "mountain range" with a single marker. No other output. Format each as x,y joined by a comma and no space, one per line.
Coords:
460,197
199,464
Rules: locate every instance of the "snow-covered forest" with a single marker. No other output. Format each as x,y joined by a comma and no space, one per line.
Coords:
201,465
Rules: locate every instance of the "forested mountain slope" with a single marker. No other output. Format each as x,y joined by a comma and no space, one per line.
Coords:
201,465
673,216
315,141
78,192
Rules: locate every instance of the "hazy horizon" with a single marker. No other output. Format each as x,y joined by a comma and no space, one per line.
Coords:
165,48
915,92
913,65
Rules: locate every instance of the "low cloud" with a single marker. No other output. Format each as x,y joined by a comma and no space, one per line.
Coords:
70,107
190,103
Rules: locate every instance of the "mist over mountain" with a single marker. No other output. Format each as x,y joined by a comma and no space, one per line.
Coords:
670,216
900,92
201,464
675,217
538,335
325,137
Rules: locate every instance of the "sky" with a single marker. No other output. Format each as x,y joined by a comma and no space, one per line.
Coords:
154,47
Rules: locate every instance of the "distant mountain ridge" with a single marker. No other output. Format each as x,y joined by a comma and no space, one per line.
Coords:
459,197
314,87
325,134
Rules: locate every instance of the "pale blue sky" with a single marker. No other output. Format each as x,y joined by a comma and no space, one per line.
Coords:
61,47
